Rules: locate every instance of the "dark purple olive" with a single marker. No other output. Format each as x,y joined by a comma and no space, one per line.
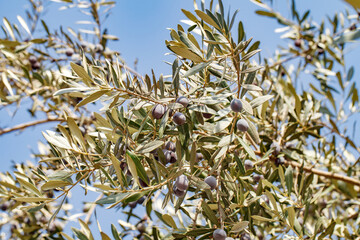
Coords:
199,156
179,118
4,206
35,66
183,101
173,158
352,27
276,147
297,43
182,183
242,125
211,181
219,234
236,105
158,111
141,227
170,146
141,200
245,236
69,52
248,164
142,183
279,161
32,59
132,204
178,192
257,177
167,155
207,115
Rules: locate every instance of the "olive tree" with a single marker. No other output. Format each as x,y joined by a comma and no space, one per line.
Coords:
236,144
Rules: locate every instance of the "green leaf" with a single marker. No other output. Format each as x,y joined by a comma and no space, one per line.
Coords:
113,198
197,68
169,220
289,179
207,19
92,97
238,227
186,53
31,199
56,139
140,171
209,213
80,71
247,148
54,184
260,100
222,124
148,147
347,37
262,219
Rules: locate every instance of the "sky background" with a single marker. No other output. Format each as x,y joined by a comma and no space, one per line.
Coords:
141,26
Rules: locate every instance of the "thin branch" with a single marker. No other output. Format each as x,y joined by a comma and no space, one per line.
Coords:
29,124
323,173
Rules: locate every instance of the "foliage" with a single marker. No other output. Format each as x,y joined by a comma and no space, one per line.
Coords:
289,169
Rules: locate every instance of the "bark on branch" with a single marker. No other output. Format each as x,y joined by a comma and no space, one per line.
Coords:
29,124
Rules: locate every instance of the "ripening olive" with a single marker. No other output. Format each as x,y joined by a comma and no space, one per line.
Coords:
32,59
207,115
219,234
183,101
297,43
245,236
158,111
170,146
276,147
179,118
69,52
211,181
178,192
236,105
248,164
141,227
35,66
132,204
199,156
257,177
167,155
173,158
242,125
182,183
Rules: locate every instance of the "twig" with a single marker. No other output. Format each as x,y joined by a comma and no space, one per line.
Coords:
323,173
92,208
29,124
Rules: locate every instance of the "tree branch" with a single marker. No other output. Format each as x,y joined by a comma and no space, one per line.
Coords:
29,124
323,173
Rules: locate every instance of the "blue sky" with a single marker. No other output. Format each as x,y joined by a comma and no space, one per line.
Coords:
141,28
